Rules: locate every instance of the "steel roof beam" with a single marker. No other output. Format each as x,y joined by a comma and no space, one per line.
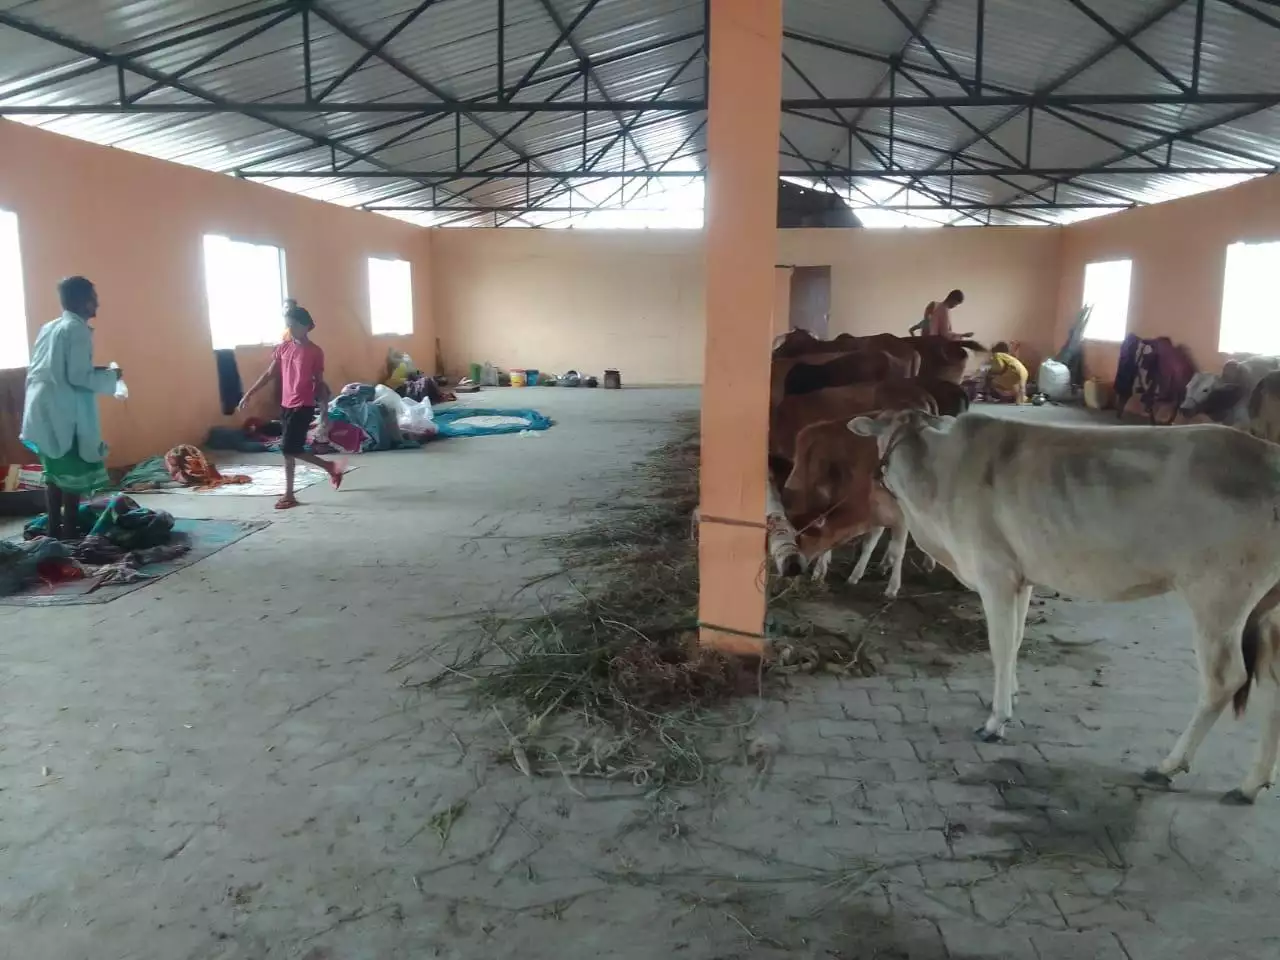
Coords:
215,53
371,50
864,133
1084,111
1102,169
462,173
394,63
973,127
481,107
676,154
565,31
468,108
897,207
1254,12
920,23
877,173
585,60
1066,77
631,124
917,34
125,62
1130,44
887,160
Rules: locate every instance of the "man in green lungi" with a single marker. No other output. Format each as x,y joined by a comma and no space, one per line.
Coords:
60,418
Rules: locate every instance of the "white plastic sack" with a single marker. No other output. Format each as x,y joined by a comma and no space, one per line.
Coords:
417,418
1054,380
388,399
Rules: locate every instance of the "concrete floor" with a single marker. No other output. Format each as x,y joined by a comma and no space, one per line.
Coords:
237,767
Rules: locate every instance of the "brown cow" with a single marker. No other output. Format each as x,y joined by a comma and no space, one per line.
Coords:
807,374
793,414
939,357
798,343
951,398
833,498
942,358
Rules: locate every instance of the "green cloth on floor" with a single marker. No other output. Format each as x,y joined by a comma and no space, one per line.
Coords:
118,519
148,474
74,474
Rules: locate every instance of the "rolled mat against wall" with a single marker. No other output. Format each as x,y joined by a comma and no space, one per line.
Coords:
230,387
13,394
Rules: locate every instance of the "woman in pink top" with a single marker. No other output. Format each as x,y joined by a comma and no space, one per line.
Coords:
299,364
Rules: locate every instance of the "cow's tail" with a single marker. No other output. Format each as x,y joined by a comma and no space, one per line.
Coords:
1251,646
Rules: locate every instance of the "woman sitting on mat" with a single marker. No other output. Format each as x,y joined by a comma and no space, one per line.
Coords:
60,416
299,364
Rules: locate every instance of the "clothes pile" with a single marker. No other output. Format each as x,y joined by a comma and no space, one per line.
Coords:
382,420
404,377
183,466
121,538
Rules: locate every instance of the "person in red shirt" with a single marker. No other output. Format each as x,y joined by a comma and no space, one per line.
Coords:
299,364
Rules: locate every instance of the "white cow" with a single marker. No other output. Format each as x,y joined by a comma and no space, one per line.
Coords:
1224,397
1006,505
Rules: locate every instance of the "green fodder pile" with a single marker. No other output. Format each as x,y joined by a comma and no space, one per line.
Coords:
612,682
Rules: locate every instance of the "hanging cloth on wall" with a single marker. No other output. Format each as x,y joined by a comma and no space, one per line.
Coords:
230,389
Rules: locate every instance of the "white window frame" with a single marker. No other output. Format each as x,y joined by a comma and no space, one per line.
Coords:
240,317
1109,321
1246,323
390,309
15,337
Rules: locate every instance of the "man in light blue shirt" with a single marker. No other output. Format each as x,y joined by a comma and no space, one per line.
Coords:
60,418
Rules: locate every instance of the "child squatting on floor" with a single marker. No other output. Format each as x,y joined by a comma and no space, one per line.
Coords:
299,364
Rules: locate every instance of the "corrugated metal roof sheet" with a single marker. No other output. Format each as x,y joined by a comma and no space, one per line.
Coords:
252,51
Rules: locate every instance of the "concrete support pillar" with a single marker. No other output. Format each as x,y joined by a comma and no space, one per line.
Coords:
741,216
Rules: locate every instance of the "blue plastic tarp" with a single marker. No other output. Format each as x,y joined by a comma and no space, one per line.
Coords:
464,422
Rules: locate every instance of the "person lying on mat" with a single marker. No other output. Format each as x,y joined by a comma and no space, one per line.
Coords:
299,364
60,416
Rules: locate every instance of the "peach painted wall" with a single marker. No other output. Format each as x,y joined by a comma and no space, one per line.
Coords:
584,300
560,299
134,226
1179,253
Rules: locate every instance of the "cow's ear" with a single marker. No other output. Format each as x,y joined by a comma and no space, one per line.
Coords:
866,426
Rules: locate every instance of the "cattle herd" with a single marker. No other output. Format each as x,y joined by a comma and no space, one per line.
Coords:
869,433
823,491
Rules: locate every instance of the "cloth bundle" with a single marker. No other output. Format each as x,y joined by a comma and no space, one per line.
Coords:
191,468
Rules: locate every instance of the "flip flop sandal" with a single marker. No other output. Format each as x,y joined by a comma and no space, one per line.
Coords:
339,471
286,503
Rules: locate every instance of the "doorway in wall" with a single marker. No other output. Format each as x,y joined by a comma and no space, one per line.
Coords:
811,300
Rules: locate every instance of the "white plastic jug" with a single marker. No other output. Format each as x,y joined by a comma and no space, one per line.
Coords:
122,389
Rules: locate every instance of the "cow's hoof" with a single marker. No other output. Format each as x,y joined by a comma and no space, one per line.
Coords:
891,594
1237,798
1156,777
988,736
